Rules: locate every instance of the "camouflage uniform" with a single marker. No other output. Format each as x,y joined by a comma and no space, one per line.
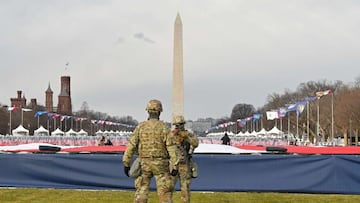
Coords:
187,142
157,149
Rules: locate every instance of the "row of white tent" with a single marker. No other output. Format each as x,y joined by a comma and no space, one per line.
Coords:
41,131
262,132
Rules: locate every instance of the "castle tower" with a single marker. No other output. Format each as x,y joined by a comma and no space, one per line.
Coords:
33,103
19,101
178,80
49,104
64,99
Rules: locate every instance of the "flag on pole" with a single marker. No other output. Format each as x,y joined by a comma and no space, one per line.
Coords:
257,117
291,107
309,99
26,109
55,115
239,123
243,122
39,113
300,106
282,112
271,115
322,93
12,109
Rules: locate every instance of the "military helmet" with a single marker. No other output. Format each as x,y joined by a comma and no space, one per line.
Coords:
178,120
154,105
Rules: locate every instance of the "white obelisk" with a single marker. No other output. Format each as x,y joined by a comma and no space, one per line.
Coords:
178,79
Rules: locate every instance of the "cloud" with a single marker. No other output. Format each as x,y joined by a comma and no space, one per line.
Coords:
148,40
120,40
141,36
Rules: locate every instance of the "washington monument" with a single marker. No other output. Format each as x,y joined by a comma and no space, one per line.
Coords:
178,79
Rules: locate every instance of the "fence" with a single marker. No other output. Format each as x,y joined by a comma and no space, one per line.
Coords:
119,140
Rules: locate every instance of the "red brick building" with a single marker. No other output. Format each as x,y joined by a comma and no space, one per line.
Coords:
19,101
49,104
64,99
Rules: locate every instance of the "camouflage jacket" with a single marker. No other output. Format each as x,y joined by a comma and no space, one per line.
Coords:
187,142
152,139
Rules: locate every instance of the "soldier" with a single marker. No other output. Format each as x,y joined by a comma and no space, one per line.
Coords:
225,139
157,153
187,142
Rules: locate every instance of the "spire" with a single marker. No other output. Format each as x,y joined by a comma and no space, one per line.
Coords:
49,88
178,20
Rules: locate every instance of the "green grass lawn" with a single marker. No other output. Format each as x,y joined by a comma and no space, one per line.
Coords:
35,195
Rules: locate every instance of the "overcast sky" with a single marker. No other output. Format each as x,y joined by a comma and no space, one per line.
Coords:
120,53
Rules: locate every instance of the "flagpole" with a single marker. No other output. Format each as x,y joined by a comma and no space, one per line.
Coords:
22,117
65,125
297,125
10,124
289,123
332,119
317,121
308,122
71,122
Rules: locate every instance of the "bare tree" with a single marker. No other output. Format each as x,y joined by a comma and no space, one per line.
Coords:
242,111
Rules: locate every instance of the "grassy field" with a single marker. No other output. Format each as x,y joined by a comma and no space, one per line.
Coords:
34,195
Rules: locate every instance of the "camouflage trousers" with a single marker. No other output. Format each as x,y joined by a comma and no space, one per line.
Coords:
158,168
185,181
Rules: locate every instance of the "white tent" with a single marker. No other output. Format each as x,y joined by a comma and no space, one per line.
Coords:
99,133
41,131
82,133
239,134
262,132
20,130
275,131
57,132
71,132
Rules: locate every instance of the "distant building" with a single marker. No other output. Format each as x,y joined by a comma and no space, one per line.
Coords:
64,100
19,101
33,103
198,127
49,104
